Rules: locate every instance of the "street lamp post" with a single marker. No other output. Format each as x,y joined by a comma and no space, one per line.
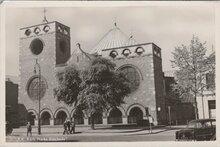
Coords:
37,65
169,115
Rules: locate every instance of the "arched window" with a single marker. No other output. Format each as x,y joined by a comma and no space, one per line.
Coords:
60,118
115,116
133,77
135,115
30,117
45,118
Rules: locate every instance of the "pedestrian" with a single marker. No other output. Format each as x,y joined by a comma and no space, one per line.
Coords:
65,127
72,130
29,129
68,126
150,119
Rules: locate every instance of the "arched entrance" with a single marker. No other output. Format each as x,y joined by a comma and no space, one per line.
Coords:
45,118
30,117
115,116
97,118
60,118
78,117
135,115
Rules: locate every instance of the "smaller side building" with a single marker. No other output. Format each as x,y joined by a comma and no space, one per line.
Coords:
11,92
206,101
178,110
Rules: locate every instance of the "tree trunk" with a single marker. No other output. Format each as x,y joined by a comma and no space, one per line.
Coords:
92,122
195,107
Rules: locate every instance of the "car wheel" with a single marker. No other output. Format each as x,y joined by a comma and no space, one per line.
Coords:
213,137
182,138
189,138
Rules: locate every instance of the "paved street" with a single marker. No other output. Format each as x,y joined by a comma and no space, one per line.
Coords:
85,134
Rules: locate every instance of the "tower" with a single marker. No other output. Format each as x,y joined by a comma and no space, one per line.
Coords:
48,45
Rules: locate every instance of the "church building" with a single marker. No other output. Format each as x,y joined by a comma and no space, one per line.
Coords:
45,49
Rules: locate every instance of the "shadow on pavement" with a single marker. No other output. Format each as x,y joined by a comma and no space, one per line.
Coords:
134,128
150,133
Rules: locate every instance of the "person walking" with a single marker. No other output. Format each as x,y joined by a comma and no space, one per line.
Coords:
29,129
72,130
65,127
68,126
150,119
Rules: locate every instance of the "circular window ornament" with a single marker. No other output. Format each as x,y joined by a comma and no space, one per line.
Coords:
46,28
27,32
59,29
132,76
139,50
36,87
65,31
36,46
126,52
37,30
113,54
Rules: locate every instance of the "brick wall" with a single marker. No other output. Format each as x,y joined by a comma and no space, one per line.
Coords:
159,85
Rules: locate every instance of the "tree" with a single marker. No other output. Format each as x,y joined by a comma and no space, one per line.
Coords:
191,63
96,89
210,76
69,81
102,88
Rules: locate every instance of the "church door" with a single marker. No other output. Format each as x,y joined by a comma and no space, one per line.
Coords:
115,116
135,115
45,118
60,118
31,117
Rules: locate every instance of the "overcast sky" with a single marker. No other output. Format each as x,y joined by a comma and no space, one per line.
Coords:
166,26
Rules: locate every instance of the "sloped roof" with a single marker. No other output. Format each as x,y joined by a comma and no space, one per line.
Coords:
112,39
80,58
78,52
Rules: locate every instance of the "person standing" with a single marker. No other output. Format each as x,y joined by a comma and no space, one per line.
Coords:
29,129
72,130
68,126
65,127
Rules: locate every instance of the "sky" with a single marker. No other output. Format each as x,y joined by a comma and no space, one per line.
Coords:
166,26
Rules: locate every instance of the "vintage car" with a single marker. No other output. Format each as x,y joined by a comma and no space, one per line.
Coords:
198,130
